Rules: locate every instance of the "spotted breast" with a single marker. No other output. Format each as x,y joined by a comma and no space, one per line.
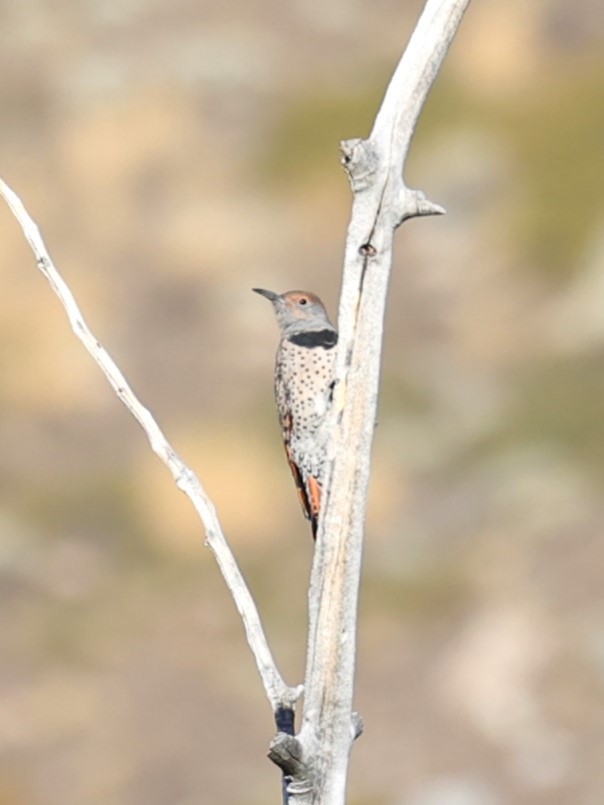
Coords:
303,382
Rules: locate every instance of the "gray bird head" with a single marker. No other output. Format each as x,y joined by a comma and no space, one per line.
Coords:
297,311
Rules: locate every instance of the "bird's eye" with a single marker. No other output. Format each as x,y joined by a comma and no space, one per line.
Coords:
302,301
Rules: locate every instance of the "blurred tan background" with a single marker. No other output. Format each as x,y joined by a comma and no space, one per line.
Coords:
178,154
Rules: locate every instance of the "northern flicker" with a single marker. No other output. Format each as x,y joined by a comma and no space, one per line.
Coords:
303,384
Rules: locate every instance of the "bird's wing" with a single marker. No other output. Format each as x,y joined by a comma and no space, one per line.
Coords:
286,425
307,487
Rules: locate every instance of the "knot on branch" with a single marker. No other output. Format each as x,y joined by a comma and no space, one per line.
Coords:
360,162
357,726
367,250
286,752
43,264
184,477
413,203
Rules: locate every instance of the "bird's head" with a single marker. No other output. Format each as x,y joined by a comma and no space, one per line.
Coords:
297,311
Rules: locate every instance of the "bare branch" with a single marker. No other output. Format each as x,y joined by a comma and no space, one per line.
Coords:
381,203
280,695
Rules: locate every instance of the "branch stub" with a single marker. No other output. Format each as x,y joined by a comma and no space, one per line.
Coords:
413,203
360,161
286,752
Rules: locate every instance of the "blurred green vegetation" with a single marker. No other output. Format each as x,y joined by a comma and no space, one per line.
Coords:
303,141
559,136
437,588
94,505
554,135
560,403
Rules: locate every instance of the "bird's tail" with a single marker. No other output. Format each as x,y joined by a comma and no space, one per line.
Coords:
313,495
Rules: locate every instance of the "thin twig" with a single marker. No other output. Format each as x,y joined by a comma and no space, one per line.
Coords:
279,694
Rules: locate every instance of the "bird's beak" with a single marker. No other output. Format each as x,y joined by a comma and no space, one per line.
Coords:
272,297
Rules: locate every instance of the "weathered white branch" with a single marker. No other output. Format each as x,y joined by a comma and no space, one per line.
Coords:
318,755
278,693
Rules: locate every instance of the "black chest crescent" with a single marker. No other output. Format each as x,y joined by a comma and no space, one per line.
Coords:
315,338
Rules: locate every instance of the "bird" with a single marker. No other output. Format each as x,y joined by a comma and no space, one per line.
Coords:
303,388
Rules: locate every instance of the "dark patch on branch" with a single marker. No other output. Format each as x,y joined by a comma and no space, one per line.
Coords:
284,720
